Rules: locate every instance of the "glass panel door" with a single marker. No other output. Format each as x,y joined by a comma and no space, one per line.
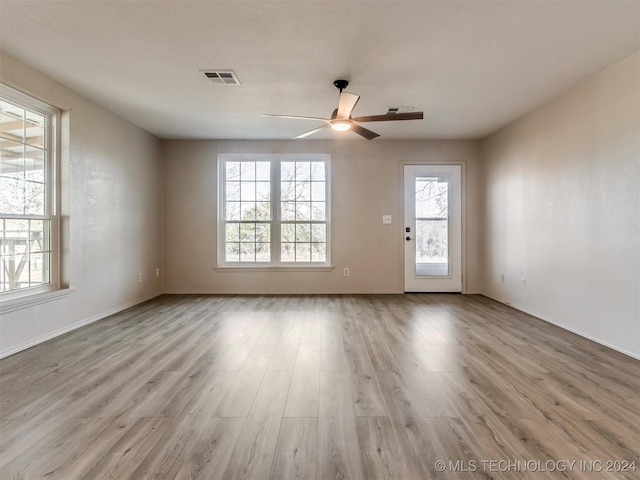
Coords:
433,228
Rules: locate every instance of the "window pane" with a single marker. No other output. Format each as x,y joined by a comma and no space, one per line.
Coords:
232,252
34,133
16,254
303,211
247,191
287,232
318,211
36,267
318,252
248,211
303,171
303,192
288,191
233,191
36,236
263,232
233,211
16,239
263,191
287,171
263,252
11,122
288,211
232,171
263,210
11,159
317,171
318,191
7,266
432,241
11,196
34,165
247,232
303,232
263,171
247,252
318,233
232,233
288,252
247,171
22,271
34,198
431,197
303,252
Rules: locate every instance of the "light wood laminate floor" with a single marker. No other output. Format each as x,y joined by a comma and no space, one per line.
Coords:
319,387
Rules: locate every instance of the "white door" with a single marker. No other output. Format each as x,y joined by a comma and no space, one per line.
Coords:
432,228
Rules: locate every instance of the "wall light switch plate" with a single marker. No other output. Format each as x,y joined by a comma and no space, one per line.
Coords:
386,219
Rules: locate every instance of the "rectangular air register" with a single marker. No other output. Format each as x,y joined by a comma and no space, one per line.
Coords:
226,77
399,109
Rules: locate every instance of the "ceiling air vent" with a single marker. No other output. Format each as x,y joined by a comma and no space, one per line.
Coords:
223,77
393,110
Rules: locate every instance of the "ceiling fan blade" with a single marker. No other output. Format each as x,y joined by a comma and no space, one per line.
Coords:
368,134
295,117
391,117
311,132
346,104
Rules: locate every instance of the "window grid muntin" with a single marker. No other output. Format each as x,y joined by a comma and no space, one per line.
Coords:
43,119
322,161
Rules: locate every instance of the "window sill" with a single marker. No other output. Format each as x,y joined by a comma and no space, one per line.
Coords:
249,268
19,303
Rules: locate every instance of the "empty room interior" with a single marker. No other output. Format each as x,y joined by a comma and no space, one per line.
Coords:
319,239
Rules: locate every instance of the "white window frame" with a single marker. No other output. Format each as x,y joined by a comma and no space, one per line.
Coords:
276,221
52,191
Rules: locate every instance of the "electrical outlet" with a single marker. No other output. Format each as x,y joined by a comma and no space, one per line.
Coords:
523,283
346,272
386,219
502,277
139,278
157,272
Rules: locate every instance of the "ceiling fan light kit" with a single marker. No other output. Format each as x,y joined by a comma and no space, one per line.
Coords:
341,119
341,125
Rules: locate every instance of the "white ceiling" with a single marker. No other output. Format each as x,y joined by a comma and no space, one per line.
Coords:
471,66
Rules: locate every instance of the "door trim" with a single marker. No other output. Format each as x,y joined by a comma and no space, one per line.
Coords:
463,205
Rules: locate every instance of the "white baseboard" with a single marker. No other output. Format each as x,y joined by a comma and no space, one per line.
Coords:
74,326
557,323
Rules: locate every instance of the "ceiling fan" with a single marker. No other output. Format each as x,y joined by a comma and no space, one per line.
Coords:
341,119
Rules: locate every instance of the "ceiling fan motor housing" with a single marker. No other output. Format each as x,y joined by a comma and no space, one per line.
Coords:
341,84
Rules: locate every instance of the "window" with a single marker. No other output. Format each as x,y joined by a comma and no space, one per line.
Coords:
28,222
274,211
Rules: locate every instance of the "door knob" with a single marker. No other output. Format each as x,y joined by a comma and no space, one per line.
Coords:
408,239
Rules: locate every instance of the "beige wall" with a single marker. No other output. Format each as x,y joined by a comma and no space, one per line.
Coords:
366,183
114,230
563,209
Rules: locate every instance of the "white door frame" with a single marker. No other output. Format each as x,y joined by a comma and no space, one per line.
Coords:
463,205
